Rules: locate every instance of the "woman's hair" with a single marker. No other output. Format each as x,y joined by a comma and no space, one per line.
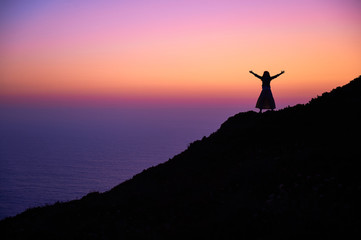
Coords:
266,74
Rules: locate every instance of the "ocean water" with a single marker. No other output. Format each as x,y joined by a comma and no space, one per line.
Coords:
50,154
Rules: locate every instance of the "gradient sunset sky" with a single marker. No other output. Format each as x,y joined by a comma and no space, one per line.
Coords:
176,51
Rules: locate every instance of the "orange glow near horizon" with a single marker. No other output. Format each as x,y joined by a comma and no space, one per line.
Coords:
163,50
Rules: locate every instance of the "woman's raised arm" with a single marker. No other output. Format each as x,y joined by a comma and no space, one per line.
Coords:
256,75
278,75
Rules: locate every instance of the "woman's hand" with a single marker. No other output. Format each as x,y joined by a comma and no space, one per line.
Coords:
251,71
282,72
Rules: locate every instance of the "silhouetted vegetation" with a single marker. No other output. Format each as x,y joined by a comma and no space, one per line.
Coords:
292,173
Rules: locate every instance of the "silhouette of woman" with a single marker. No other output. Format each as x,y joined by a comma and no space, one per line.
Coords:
265,100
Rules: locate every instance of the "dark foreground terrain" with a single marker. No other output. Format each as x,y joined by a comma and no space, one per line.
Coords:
288,174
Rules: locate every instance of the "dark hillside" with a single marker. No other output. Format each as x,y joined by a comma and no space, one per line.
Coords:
292,173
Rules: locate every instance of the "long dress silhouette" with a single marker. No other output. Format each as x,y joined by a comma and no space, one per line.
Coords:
265,100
